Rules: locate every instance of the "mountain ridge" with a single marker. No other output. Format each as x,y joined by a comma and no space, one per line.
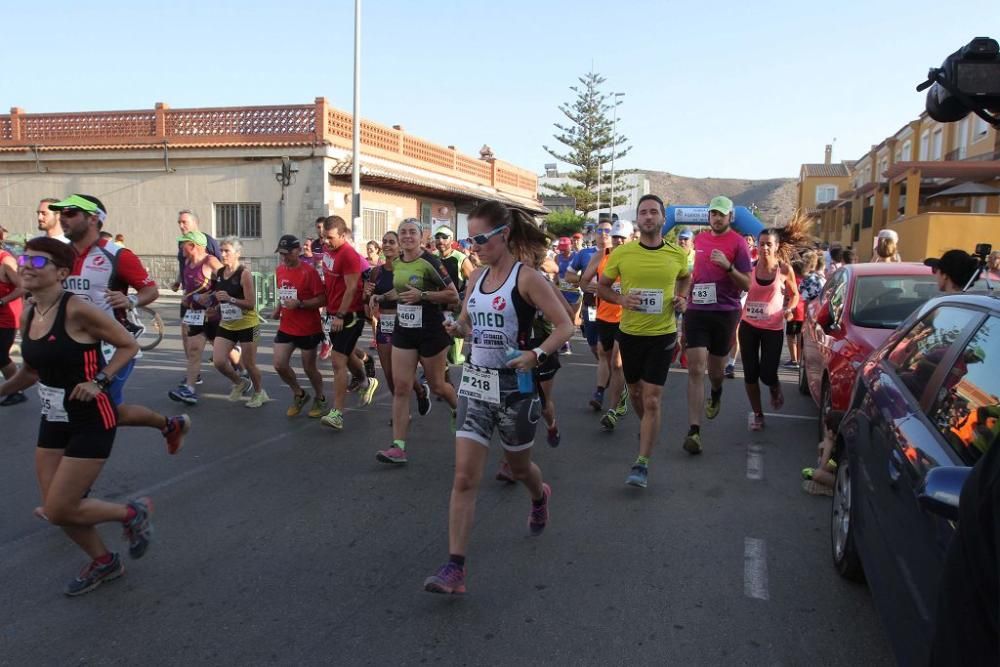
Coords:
774,197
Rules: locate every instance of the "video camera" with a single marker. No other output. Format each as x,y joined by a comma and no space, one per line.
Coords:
968,80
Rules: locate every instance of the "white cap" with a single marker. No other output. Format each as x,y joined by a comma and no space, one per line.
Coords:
622,228
889,234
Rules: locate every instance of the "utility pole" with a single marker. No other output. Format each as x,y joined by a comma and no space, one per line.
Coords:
614,147
356,123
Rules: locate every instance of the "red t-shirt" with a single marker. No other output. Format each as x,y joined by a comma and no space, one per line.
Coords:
10,314
344,261
307,285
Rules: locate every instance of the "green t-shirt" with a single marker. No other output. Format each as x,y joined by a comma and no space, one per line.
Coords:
425,274
453,263
655,272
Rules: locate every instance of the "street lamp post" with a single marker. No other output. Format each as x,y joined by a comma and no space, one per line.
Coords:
356,122
614,146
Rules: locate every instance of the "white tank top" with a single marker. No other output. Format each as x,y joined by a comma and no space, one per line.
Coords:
94,276
500,320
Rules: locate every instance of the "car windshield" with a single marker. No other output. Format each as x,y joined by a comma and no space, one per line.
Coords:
883,302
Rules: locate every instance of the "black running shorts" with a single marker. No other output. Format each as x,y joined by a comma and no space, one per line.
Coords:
712,329
646,358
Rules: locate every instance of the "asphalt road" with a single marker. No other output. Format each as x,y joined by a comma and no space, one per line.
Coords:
281,541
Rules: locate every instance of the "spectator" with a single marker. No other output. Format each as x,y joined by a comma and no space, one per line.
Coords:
812,284
120,239
316,245
819,481
836,260
793,328
886,247
993,264
847,256
954,270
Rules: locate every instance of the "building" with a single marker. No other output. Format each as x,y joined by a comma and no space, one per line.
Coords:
820,183
936,184
251,172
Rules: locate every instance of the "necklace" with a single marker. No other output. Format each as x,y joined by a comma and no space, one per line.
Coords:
41,313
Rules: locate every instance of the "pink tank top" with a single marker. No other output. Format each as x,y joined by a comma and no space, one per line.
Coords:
765,307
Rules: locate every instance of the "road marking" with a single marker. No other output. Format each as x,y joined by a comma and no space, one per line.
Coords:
755,568
778,415
755,462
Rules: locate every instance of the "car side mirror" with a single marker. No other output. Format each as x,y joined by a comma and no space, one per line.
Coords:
824,318
942,489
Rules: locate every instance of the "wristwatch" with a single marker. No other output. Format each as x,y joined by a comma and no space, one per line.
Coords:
423,296
541,355
102,380
730,269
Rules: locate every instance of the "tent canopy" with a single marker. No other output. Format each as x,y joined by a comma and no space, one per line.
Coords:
744,221
967,190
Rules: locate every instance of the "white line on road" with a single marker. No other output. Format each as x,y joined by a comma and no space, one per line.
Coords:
755,462
778,415
755,568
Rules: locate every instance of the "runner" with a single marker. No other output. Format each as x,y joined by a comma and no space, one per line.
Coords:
685,239
345,300
62,336
378,286
498,313
654,276
570,291
588,319
763,320
459,269
48,221
201,310
721,274
237,298
102,274
10,314
608,317
422,288
729,371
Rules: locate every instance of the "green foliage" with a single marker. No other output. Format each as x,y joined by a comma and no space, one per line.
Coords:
589,142
563,223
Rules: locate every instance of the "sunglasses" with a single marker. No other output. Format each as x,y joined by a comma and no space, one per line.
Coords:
441,237
603,231
483,239
34,261
71,211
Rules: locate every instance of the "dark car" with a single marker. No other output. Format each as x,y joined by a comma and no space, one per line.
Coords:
925,408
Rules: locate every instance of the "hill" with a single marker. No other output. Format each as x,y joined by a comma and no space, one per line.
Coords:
774,197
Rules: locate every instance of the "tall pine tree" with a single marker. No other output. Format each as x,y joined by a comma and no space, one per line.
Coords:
589,141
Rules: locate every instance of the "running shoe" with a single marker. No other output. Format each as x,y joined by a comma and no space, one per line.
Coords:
539,515
319,408
816,489
355,382
757,424
183,394
638,476
712,407
13,399
174,432
298,402
504,473
730,371
807,473
777,398
197,381
424,400
258,400
622,408
139,531
565,349
324,350
393,455
692,443
554,437
790,364
240,389
609,420
94,574
334,419
368,394
597,400
449,579
369,366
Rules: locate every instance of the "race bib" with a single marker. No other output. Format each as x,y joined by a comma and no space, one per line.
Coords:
410,316
387,321
53,403
617,287
287,293
650,300
231,313
756,310
194,318
703,293
591,313
480,384
566,287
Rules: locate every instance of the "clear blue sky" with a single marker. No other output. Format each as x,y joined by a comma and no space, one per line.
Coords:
725,89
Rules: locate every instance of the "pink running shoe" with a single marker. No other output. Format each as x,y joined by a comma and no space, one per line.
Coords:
757,423
540,514
393,455
449,579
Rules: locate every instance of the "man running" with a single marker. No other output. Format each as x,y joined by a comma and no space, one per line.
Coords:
721,275
48,221
570,291
654,276
459,269
102,275
345,304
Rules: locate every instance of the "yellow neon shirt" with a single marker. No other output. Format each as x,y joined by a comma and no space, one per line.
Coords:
655,271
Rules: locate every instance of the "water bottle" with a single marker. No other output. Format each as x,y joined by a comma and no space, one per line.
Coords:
525,379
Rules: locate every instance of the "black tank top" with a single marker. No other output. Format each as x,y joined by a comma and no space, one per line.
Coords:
62,363
233,285
383,285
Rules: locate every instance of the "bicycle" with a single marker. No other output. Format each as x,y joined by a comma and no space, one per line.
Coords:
146,326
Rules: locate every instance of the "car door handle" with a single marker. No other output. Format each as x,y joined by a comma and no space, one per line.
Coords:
895,466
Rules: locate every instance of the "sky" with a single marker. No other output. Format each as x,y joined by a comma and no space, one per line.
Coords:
712,89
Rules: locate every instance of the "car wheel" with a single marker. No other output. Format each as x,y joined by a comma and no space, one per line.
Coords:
803,380
825,406
845,554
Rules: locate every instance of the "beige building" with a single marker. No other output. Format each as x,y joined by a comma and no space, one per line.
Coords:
251,172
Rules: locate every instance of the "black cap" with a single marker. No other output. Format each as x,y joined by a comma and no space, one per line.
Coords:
287,243
958,265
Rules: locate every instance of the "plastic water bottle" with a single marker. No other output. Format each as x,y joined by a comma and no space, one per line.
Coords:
525,379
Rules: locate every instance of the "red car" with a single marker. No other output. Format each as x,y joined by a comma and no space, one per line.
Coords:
861,304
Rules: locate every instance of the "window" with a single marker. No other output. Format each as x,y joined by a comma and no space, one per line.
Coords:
836,288
979,204
240,220
925,145
907,150
825,193
425,216
883,166
374,224
918,353
967,407
962,139
981,129
883,302
938,144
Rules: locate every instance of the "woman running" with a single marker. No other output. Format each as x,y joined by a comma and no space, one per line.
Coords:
373,253
376,288
422,289
498,312
62,337
10,314
234,291
771,300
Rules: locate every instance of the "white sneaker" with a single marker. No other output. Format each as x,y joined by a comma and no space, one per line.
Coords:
258,399
240,389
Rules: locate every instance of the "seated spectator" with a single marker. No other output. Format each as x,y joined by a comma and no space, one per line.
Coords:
819,481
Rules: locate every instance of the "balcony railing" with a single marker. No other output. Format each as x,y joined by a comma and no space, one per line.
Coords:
305,124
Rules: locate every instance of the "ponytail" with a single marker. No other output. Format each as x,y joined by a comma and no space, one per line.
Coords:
793,238
524,239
